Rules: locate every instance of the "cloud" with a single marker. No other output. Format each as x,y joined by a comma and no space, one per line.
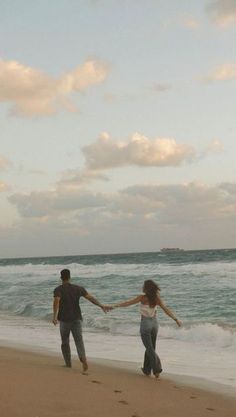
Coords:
141,151
222,12
3,187
49,203
140,217
4,163
110,98
34,93
190,22
75,178
214,146
191,202
161,88
222,73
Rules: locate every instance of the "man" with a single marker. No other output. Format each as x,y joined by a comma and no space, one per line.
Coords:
67,311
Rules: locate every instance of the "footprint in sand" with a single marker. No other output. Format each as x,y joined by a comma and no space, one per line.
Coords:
210,409
117,391
123,402
95,382
175,386
192,397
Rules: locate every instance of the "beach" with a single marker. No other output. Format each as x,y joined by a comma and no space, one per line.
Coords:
199,286
36,385
199,374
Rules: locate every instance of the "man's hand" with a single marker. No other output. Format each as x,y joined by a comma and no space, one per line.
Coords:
54,321
106,308
179,323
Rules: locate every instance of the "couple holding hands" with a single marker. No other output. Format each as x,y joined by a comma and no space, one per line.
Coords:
66,310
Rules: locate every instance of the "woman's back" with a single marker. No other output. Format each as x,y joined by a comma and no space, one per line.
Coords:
145,309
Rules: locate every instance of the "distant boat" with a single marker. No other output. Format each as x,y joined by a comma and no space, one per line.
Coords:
164,250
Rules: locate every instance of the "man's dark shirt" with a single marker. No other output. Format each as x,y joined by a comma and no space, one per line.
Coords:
69,308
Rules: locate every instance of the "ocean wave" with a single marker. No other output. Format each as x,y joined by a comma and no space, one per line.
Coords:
202,334
205,334
94,271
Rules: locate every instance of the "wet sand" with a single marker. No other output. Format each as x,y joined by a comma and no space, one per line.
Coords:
36,385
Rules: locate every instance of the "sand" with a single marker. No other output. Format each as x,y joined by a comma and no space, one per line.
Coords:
36,385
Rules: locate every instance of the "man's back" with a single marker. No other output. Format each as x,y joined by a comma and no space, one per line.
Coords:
69,294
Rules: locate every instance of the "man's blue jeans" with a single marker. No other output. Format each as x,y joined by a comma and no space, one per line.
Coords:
148,331
75,327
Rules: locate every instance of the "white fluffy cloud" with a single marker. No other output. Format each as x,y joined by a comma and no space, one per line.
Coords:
222,73
33,93
139,150
222,12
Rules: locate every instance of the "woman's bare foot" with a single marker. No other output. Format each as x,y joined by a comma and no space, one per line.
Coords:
156,375
144,373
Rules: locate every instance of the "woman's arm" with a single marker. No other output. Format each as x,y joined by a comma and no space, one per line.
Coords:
168,311
128,302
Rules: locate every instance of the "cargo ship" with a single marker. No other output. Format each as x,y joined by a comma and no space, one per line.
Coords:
164,250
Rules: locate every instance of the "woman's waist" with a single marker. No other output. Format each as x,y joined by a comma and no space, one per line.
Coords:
143,317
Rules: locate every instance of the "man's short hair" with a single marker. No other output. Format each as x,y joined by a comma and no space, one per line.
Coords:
65,274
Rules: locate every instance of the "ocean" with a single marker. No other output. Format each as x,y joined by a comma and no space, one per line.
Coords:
199,287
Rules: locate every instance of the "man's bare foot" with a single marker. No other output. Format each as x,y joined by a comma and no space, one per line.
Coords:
68,365
156,375
85,366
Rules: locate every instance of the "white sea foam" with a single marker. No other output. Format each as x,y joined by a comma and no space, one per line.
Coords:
204,334
179,356
96,270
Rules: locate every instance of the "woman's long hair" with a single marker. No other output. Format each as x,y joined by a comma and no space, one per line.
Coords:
150,289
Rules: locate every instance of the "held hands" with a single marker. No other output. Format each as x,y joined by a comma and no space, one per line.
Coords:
106,308
54,321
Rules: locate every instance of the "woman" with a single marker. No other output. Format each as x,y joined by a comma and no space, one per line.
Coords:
149,326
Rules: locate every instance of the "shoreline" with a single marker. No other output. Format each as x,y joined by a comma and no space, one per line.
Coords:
134,368
186,380
34,384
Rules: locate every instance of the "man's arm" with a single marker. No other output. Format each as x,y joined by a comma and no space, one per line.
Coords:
56,303
93,300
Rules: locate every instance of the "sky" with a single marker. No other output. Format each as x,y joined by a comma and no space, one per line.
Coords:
117,126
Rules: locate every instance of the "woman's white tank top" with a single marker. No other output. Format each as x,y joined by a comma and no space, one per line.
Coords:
148,311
